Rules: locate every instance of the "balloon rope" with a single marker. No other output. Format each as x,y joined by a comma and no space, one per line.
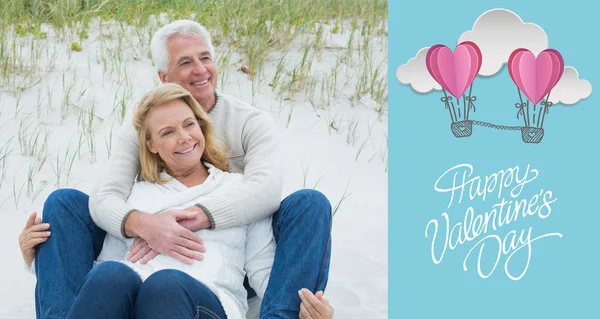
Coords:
448,105
465,106
528,119
522,111
545,108
467,111
454,110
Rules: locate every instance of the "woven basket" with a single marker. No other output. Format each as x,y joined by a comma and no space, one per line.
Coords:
532,134
462,128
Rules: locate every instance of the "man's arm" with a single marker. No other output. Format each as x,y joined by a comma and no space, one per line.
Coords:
259,195
108,200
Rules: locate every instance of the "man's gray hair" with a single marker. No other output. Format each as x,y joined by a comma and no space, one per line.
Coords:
183,28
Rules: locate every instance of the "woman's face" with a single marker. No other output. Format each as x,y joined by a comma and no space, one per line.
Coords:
175,136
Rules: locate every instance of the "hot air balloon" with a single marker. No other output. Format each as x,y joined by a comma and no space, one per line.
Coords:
455,72
535,77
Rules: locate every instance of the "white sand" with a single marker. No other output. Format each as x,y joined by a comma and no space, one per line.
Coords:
313,150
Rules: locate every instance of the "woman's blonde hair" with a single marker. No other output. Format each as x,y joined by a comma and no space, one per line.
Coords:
152,165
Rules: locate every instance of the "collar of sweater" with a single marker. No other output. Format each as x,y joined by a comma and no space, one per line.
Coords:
212,170
217,100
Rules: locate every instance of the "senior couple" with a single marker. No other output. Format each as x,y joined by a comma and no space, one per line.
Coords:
188,220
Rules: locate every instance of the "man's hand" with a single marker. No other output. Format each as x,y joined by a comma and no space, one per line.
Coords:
200,222
164,235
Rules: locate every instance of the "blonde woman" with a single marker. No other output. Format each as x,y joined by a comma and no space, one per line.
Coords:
183,53
180,162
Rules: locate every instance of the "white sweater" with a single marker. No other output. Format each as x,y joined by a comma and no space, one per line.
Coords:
230,253
250,135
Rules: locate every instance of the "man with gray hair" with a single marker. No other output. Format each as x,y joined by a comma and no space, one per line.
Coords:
183,54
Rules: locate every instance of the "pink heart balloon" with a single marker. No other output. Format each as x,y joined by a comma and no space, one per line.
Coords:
454,71
535,77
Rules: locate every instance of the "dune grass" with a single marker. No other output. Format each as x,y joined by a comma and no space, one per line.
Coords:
280,48
252,33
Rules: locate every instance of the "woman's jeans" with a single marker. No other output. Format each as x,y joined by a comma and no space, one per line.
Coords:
113,290
302,230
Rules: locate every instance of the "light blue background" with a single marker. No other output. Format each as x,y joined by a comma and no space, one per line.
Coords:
563,280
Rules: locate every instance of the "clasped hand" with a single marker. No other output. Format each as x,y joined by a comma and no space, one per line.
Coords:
170,233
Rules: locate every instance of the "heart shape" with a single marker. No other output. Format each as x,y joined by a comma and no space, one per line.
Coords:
454,71
535,77
532,134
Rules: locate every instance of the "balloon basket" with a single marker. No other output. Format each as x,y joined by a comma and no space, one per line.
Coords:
462,128
532,134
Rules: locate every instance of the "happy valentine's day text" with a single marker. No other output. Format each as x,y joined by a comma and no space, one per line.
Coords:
460,183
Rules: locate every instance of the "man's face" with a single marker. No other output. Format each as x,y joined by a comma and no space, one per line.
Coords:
192,66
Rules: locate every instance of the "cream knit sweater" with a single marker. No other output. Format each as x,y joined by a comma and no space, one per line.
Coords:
251,137
230,252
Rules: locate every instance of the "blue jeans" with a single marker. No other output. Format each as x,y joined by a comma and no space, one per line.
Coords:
302,230
113,290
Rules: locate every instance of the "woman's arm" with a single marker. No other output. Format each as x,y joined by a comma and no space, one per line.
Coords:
260,253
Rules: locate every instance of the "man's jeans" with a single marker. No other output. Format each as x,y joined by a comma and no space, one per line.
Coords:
302,230
114,290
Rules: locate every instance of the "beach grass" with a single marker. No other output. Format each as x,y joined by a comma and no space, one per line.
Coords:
321,54
251,32
72,71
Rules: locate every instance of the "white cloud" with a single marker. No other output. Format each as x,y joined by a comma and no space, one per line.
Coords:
498,33
415,74
570,89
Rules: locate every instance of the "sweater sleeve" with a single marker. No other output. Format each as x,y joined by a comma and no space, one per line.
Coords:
259,195
30,269
260,254
108,200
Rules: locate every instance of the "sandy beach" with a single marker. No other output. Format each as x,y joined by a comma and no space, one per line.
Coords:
60,119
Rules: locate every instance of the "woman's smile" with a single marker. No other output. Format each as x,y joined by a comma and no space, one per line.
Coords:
187,150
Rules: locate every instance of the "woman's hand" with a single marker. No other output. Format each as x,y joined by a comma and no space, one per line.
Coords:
32,235
314,306
162,233
140,250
